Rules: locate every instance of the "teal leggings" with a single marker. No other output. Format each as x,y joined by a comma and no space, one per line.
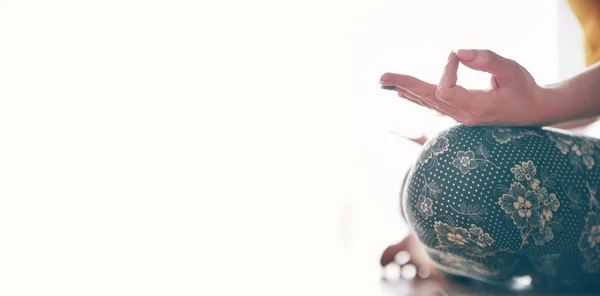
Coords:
492,203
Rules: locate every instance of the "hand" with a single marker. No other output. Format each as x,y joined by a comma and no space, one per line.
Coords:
514,98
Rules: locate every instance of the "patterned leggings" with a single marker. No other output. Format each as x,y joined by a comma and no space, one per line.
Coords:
492,203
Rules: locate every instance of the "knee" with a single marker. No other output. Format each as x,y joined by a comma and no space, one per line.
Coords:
448,144
435,179
451,189
462,151
459,201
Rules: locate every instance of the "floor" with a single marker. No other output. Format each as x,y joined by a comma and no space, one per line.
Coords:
405,288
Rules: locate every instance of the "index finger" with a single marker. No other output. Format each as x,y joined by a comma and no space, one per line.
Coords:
404,81
449,76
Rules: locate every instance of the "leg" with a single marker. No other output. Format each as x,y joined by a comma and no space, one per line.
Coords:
492,203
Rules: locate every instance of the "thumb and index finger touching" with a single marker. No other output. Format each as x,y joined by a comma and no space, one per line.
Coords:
450,98
479,60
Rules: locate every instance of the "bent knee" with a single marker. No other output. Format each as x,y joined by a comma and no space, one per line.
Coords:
452,195
462,192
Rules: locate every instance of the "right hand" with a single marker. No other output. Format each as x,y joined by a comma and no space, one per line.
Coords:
514,98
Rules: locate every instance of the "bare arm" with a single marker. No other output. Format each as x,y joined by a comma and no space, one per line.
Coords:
576,98
514,98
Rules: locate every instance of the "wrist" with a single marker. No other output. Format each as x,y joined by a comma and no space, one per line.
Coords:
556,105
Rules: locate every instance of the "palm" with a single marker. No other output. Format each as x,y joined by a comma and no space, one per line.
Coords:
512,90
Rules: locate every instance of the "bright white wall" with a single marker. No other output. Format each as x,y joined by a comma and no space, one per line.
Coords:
415,38
221,147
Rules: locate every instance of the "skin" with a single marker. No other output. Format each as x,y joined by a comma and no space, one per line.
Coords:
513,99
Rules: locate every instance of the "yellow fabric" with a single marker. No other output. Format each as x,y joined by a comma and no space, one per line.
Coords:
588,15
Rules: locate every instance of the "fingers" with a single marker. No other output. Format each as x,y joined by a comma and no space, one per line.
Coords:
409,88
421,93
428,100
405,94
450,74
469,106
404,81
487,61
494,83
447,97
447,90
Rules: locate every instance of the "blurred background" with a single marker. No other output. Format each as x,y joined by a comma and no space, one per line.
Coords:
215,148
415,38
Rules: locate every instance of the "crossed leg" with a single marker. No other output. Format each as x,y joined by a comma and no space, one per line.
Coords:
492,203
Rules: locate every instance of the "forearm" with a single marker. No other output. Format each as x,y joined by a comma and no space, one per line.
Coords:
575,98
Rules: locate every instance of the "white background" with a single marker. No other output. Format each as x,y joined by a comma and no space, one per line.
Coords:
214,148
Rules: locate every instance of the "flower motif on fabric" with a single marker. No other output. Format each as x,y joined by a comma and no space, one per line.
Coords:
526,172
543,236
434,147
589,242
504,135
581,152
465,161
481,239
425,207
425,203
474,212
449,236
588,160
548,202
474,240
563,144
521,205
529,205
587,147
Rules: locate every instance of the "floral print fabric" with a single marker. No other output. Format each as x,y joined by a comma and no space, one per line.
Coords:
486,201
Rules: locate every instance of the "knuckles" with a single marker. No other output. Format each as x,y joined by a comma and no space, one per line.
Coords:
445,94
486,56
442,93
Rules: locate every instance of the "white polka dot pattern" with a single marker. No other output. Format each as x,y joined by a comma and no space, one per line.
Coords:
489,202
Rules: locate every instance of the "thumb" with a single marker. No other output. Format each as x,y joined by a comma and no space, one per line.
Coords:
487,61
